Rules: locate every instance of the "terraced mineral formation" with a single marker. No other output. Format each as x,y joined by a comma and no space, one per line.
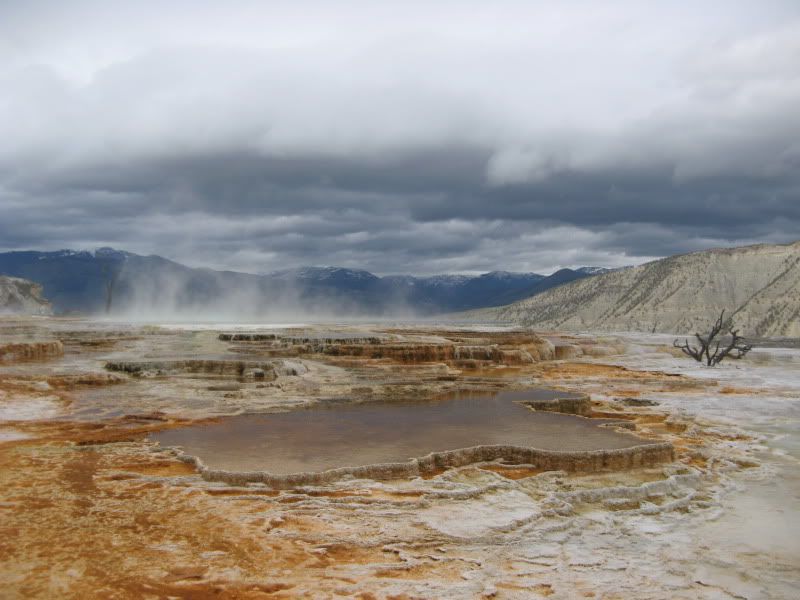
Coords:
586,461
92,507
466,351
16,351
256,369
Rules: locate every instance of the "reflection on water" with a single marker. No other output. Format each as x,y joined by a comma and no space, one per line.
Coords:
342,435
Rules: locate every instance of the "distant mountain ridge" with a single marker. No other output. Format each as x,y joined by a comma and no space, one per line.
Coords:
77,281
758,285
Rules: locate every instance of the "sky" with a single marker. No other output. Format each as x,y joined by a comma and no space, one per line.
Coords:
405,136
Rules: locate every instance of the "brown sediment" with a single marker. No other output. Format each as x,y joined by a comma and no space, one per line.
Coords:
492,372
91,510
603,414
581,405
70,529
22,351
567,351
235,491
434,472
158,468
69,382
247,337
628,393
468,351
511,472
585,369
221,367
420,353
127,428
736,390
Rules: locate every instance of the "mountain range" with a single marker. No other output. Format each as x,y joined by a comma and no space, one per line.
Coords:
758,286
85,282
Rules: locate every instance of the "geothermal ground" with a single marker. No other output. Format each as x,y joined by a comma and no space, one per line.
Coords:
559,466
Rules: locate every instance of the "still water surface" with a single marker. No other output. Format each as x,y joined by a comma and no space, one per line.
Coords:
347,435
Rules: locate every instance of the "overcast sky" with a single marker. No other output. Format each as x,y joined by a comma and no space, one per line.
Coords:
400,137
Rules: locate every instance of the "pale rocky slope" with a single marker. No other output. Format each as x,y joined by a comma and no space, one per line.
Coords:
759,285
20,296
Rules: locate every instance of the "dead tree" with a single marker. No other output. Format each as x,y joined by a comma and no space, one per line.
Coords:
712,349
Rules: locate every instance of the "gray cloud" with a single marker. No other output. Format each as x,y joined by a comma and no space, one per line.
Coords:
399,137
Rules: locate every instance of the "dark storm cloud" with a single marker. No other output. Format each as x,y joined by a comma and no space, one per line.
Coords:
399,137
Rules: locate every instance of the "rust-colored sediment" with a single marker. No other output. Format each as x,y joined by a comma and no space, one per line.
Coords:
22,351
89,510
72,527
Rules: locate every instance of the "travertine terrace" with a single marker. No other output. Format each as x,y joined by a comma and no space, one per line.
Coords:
92,507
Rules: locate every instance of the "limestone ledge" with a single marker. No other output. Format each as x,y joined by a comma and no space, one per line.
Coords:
528,350
31,350
315,341
580,405
247,337
417,353
643,455
263,369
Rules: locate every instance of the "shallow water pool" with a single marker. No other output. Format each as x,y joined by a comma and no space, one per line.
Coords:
336,435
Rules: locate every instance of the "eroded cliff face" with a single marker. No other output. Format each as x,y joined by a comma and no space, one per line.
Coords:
20,296
758,285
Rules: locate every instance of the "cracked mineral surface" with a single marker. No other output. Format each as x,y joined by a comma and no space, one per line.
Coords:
96,501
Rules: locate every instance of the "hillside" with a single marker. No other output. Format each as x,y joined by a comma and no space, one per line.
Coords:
76,281
20,296
759,285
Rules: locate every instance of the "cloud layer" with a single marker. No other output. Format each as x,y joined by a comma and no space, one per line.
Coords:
399,137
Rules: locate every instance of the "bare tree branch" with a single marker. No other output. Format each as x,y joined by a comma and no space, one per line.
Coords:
704,353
